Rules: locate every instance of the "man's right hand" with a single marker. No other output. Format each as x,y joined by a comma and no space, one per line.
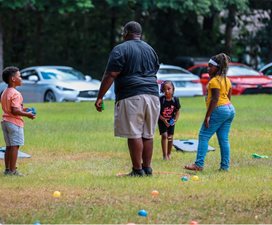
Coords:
98,104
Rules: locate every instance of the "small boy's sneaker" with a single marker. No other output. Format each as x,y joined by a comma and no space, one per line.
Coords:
148,171
136,173
16,173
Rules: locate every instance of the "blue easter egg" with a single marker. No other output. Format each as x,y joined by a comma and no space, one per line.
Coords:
34,111
184,178
171,122
142,212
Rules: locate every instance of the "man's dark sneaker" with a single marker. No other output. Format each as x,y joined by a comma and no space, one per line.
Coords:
136,173
7,172
148,171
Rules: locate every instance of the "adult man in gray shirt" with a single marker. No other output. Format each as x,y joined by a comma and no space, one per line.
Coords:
132,66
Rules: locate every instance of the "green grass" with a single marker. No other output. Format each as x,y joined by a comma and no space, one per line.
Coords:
73,151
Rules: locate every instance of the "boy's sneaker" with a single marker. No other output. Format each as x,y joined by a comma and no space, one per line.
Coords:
148,171
136,173
16,173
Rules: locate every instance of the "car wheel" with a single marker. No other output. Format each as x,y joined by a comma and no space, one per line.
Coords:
49,97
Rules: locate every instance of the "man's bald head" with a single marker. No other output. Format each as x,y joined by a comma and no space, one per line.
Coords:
133,27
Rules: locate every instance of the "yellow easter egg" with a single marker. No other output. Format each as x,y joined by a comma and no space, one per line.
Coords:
195,178
56,194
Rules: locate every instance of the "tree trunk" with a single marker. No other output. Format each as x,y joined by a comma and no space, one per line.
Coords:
229,28
138,13
208,23
113,26
1,48
38,37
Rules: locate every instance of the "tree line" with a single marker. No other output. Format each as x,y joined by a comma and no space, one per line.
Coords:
80,33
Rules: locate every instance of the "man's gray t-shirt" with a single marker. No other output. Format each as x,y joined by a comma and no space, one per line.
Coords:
138,63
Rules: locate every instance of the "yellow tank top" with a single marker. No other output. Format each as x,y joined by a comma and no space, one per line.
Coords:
223,85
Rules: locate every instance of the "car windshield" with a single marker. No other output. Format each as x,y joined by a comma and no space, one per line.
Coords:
241,71
268,71
172,71
62,74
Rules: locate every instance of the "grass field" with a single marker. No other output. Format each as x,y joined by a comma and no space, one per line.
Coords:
73,151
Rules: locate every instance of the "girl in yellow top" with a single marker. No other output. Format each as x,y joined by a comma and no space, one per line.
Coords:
219,115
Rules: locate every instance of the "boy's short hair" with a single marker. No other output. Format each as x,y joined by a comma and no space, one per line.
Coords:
9,72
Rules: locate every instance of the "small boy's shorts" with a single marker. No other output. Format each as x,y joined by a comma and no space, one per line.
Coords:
137,116
13,134
163,128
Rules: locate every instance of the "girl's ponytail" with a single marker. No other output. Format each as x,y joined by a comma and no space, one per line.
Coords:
226,60
223,60
223,64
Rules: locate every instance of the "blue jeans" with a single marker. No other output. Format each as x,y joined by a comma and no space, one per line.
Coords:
220,122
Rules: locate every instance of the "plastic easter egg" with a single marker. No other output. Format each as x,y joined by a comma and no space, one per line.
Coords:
171,122
56,194
142,212
32,110
195,178
155,193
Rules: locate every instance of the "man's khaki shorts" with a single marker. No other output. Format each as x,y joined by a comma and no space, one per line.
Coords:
137,116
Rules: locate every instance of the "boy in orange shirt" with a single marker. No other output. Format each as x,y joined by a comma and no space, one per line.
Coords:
12,121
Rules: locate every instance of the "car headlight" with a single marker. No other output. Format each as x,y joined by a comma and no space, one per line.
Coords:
64,89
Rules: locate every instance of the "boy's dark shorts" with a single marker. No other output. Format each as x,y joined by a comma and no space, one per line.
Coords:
163,128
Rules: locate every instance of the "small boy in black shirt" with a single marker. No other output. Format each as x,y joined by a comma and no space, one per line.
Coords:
169,115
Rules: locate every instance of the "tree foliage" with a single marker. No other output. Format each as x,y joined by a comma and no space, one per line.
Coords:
61,6
81,33
263,36
37,7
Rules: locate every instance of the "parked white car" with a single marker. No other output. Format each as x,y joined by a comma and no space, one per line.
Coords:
186,84
56,84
